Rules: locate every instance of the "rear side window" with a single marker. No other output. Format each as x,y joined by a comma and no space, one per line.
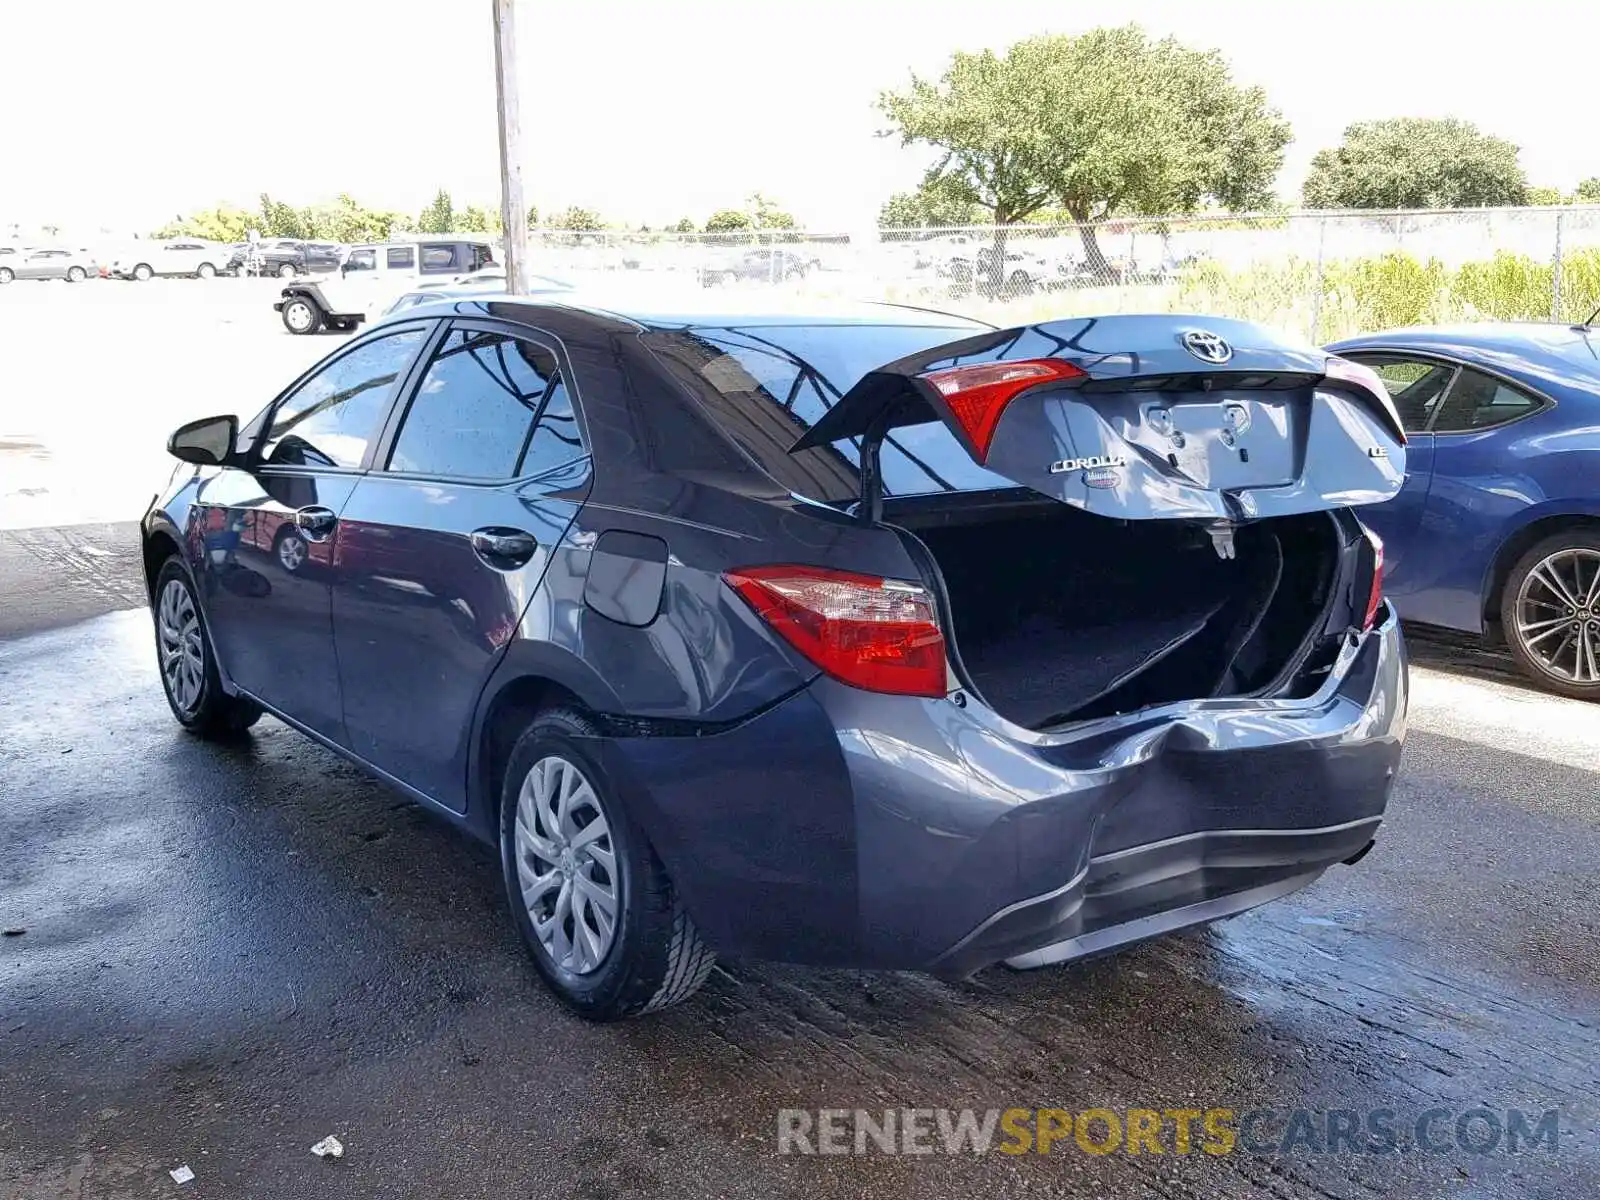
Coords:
489,407
401,258
1479,401
438,260
329,420
1415,385
767,385
481,257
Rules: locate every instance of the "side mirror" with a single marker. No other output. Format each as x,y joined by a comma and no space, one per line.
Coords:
209,441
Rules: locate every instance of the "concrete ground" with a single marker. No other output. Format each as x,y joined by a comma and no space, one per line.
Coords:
215,956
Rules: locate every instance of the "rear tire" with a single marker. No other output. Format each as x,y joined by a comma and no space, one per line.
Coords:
555,867
186,664
76,275
1555,642
7,274
206,271
143,272
301,315
287,271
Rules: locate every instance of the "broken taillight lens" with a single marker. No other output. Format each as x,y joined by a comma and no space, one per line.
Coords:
881,635
978,393
1375,595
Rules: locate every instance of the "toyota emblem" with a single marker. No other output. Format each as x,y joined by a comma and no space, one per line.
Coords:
1207,346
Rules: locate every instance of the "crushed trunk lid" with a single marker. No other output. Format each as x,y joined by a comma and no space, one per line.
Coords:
1142,417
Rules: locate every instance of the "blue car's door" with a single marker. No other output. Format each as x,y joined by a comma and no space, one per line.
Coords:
442,546
1479,484
1417,386
267,528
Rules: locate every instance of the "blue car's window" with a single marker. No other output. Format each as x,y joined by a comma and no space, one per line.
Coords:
774,382
486,404
1415,385
330,418
1478,401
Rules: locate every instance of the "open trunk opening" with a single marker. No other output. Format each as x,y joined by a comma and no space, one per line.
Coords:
1064,615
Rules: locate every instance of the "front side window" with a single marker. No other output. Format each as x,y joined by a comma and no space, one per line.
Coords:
401,258
330,418
490,406
1479,401
1415,385
362,260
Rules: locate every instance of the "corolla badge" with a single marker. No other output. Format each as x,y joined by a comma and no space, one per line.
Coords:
1092,463
1207,346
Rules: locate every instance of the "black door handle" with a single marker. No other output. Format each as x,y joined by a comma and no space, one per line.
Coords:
503,548
315,521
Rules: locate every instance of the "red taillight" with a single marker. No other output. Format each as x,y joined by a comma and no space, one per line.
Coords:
1375,596
977,394
878,634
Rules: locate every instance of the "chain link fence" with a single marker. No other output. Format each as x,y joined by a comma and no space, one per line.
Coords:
1318,275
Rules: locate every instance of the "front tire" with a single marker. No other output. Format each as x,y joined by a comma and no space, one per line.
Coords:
570,851
206,271
301,316
76,275
1550,612
186,664
143,272
287,271
7,274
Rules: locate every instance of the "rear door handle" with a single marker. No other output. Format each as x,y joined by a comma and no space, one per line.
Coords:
315,521
503,548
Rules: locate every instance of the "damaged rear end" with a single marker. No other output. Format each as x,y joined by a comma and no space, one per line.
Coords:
1126,666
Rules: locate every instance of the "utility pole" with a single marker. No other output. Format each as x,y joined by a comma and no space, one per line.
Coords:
513,212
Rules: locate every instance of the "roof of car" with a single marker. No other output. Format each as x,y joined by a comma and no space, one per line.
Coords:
694,307
1536,347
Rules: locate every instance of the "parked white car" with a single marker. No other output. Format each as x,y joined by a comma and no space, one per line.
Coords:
49,263
371,277
179,256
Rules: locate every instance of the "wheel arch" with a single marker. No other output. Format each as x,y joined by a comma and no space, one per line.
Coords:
159,545
1521,540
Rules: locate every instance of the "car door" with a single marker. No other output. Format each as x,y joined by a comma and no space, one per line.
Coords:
1416,384
1478,485
43,264
267,527
442,545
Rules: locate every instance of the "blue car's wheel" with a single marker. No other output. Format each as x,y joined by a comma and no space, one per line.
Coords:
1551,613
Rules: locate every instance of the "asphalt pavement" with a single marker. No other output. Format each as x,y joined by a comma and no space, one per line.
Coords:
215,956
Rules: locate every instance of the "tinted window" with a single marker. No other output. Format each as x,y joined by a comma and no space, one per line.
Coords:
330,418
1479,402
362,260
771,384
481,257
438,259
1415,386
478,402
401,258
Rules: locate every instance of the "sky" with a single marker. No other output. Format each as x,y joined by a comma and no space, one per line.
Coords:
119,114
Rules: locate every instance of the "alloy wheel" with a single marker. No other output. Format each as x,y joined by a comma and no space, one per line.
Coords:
292,552
183,662
1558,615
566,865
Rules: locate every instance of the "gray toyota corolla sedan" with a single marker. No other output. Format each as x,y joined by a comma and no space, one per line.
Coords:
863,636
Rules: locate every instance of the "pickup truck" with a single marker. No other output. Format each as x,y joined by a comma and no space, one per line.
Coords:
371,277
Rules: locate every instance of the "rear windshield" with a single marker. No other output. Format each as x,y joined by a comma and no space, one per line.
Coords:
768,384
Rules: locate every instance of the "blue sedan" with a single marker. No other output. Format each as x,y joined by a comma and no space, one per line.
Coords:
1496,531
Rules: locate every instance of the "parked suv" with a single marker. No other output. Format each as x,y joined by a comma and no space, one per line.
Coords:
869,637
180,256
371,277
286,257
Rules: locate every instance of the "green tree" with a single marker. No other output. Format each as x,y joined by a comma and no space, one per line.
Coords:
1104,123
438,217
225,223
729,220
932,206
767,215
476,219
533,216
281,220
1545,196
1415,162
684,225
1588,191
578,220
